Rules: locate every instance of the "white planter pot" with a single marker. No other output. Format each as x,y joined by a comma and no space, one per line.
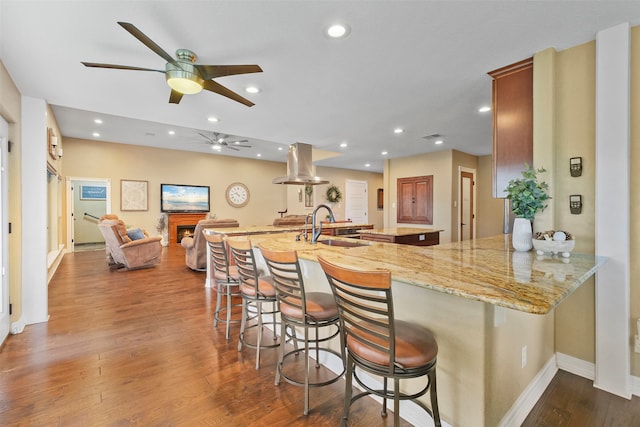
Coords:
522,235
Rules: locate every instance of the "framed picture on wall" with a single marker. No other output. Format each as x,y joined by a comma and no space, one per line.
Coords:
134,195
93,192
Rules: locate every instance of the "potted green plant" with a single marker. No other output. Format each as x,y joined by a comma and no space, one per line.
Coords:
528,196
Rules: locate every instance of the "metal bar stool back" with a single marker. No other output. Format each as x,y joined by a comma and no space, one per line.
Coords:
309,311
256,290
377,343
226,276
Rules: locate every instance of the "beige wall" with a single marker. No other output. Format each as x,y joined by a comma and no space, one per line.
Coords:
566,86
564,83
10,109
121,161
338,177
575,136
443,165
489,211
439,165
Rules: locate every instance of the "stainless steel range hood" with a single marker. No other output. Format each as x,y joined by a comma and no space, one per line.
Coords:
300,167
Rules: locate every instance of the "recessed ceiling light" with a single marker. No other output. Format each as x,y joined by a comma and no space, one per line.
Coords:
384,153
216,147
252,89
97,121
279,148
366,165
484,109
438,142
398,130
171,132
258,155
96,134
343,145
337,31
213,119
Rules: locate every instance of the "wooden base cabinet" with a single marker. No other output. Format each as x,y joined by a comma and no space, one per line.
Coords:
428,238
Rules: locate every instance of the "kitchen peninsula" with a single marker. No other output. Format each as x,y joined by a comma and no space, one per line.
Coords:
486,305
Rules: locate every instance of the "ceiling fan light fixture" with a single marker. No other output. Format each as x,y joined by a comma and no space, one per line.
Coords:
186,84
184,79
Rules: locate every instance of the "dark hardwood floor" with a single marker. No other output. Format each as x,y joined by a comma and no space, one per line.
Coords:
572,401
126,348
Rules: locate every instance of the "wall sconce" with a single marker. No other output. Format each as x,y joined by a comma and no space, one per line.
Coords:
54,141
59,152
575,166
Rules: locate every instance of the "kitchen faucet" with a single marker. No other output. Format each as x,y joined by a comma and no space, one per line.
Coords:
304,232
315,234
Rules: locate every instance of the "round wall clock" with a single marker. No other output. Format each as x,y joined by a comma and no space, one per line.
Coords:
237,194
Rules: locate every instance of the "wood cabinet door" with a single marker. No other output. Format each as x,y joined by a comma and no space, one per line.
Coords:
415,200
512,123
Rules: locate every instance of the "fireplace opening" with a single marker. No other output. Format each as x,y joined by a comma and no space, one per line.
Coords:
183,231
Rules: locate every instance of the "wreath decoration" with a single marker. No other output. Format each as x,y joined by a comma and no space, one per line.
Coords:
333,194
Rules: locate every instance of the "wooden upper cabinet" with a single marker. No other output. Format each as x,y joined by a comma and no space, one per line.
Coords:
512,111
415,200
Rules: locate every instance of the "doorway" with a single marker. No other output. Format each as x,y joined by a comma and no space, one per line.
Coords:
5,321
87,200
466,207
356,205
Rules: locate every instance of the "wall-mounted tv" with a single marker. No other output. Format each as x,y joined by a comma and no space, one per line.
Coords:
177,198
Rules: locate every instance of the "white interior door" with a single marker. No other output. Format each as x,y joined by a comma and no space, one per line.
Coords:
84,214
356,205
4,233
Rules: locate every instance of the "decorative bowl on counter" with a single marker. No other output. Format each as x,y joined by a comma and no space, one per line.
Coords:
554,242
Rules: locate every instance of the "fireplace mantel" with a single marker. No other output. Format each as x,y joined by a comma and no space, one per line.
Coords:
176,219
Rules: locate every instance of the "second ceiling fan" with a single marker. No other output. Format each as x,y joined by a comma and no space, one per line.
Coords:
218,141
183,75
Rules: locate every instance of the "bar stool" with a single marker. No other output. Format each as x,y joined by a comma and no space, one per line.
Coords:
255,290
377,343
226,276
303,310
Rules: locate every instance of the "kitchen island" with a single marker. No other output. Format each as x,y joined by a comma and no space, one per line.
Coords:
491,310
403,235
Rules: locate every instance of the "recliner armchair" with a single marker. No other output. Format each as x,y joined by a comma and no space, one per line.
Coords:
123,252
196,246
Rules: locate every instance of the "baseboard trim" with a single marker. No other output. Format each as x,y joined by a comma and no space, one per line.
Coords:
576,366
530,396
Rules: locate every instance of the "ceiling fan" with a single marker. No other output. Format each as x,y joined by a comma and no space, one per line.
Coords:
218,141
183,75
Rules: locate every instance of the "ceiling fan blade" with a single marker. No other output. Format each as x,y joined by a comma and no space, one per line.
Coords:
242,146
232,148
209,140
118,67
175,97
209,72
135,32
213,86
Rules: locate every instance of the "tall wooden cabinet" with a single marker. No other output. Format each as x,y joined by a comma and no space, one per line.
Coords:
415,200
512,122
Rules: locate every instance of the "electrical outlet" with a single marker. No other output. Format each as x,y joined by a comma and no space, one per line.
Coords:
524,356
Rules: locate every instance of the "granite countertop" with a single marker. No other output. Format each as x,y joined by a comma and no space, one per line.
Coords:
485,269
401,231
269,229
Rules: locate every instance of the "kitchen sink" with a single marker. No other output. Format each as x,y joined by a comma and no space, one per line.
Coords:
343,243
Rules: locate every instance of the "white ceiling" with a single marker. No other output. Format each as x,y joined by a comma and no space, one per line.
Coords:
419,65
